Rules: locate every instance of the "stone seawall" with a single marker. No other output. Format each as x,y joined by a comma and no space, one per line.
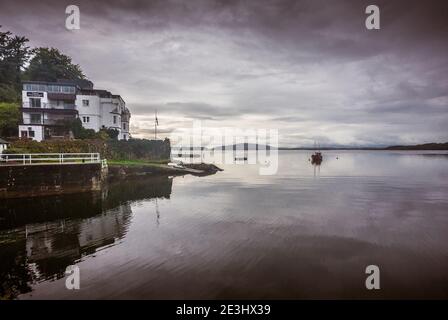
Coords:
18,181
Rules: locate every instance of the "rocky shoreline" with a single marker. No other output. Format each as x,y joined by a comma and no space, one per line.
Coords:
119,171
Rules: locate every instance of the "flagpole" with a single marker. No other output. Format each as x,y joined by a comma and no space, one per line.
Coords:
155,126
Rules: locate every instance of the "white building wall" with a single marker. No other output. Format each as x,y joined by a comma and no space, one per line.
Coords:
26,103
26,100
99,113
125,130
38,131
108,106
3,146
92,111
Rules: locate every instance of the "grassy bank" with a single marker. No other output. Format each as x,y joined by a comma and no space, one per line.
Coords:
137,162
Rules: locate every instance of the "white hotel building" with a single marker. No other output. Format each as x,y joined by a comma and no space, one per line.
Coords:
46,107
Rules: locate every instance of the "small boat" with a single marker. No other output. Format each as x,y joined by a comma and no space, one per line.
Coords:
177,165
240,158
316,158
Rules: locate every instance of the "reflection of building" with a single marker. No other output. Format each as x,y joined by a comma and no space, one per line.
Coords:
48,106
53,246
63,229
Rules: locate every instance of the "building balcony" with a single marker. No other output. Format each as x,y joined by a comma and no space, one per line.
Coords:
47,122
50,105
73,112
61,96
50,111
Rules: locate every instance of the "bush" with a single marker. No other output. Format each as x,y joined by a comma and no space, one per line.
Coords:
9,119
134,149
8,93
141,149
79,132
15,151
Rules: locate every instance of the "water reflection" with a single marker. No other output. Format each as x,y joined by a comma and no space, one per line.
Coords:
316,168
40,237
238,234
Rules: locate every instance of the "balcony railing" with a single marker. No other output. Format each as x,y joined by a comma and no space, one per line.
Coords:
52,158
50,122
70,106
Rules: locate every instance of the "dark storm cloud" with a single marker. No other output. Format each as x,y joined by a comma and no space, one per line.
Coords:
309,68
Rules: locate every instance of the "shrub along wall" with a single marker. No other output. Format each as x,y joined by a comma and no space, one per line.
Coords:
141,149
133,149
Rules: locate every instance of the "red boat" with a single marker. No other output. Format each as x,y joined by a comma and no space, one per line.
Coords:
316,158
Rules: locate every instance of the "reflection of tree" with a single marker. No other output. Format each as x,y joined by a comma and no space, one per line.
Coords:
19,212
39,238
137,189
14,274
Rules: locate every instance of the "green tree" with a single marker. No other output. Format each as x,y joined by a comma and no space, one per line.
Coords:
14,53
111,133
9,119
79,132
8,93
49,64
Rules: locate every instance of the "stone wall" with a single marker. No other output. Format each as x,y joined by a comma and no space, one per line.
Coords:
18,181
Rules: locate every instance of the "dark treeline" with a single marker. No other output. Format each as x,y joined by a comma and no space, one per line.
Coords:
19,62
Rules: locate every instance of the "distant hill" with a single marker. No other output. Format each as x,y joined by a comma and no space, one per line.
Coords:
249,146
426,146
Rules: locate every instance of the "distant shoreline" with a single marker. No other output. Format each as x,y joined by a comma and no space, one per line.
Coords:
391,148
426,146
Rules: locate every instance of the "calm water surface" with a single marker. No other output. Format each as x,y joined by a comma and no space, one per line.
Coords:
307,232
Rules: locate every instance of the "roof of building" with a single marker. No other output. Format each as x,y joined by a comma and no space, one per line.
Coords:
79,83
3,141
47,82
99,92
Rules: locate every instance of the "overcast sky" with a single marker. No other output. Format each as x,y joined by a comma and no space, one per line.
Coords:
308,68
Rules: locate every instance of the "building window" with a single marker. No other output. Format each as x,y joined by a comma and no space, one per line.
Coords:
86,119
24,134
30,133
67,89
115,119
35,118
124,137
34,103
124,126
85,103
